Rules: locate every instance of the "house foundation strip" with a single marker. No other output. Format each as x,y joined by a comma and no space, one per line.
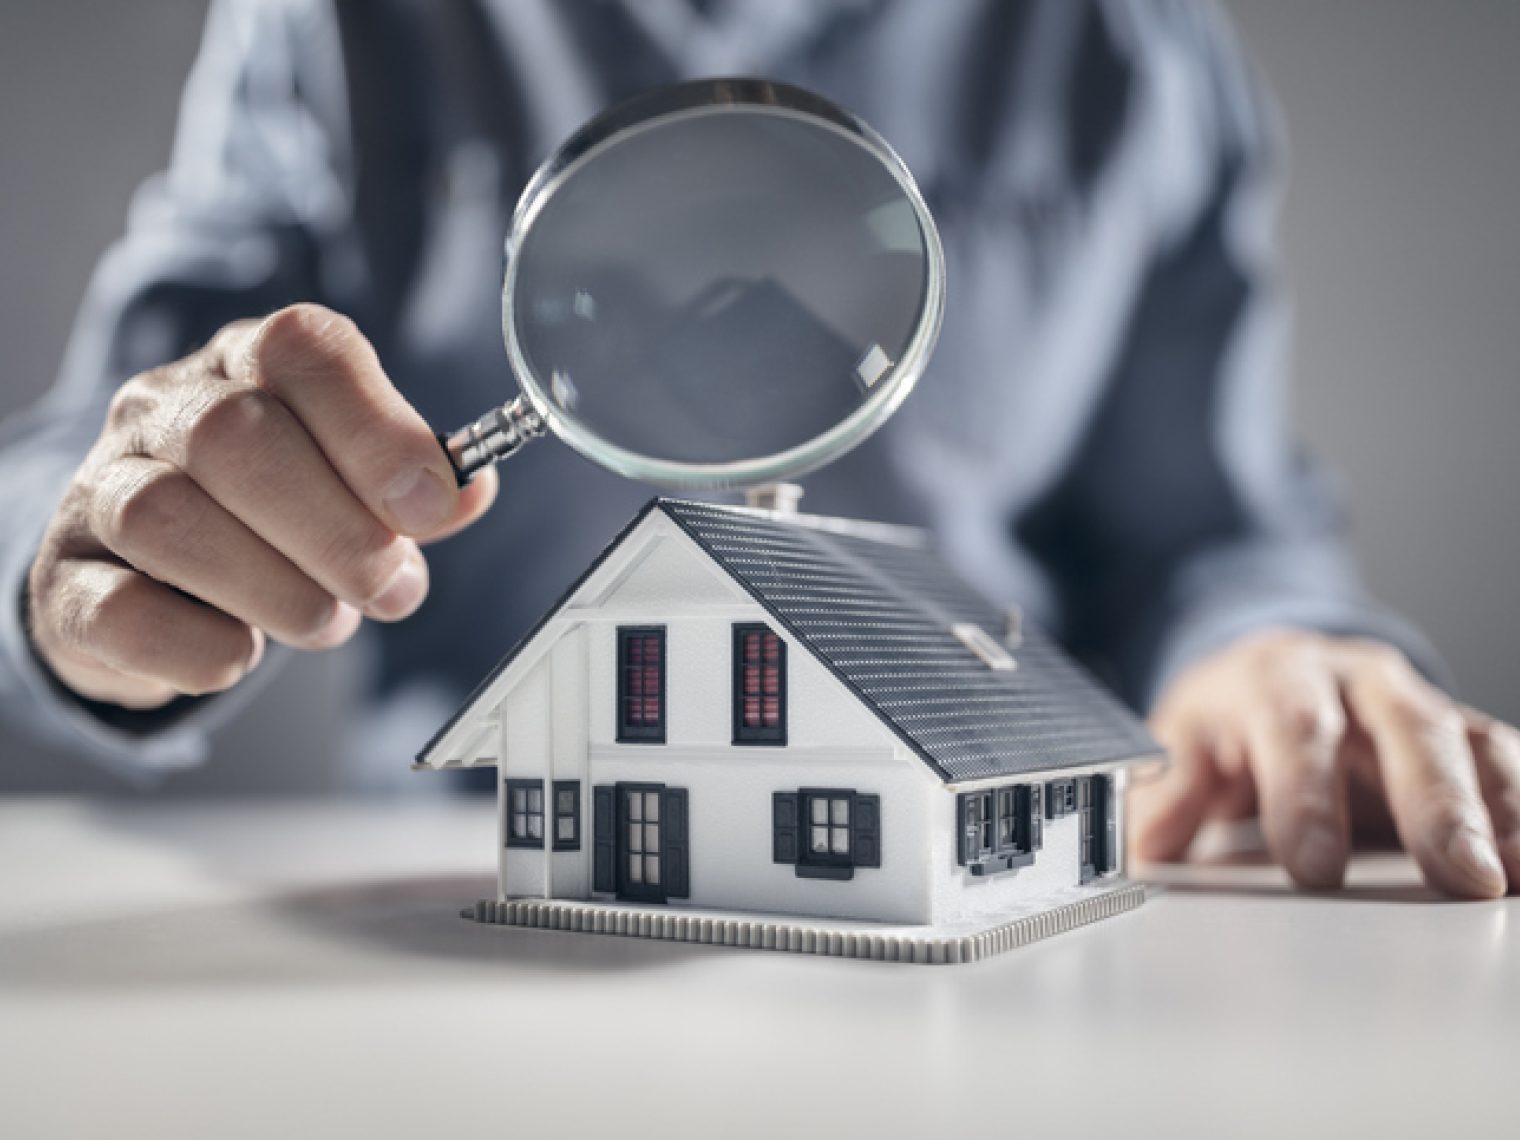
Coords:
893,944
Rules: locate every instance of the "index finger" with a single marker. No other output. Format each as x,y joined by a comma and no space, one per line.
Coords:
318,364
1430,775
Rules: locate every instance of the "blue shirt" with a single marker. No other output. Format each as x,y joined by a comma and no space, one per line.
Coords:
1101,436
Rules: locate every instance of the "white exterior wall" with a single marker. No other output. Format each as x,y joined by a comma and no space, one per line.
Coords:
543,737
570,872
729,819
525,752
1051,880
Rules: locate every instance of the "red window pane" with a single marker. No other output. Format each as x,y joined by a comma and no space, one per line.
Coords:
641,705
760,679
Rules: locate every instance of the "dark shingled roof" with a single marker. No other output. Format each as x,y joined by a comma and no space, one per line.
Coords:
878,615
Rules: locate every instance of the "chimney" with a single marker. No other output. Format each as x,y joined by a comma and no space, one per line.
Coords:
1013,630
779,498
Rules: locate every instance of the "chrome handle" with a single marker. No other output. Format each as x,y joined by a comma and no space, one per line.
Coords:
494,436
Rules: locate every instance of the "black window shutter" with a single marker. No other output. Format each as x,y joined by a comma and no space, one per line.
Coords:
1036,818
1027,804
675,847
1105,810
604,836
967,845
786,838
865,827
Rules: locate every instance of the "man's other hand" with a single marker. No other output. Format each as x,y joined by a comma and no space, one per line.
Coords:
273,484
1329,738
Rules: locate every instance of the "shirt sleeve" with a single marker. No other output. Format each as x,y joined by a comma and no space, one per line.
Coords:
1191,515
252,213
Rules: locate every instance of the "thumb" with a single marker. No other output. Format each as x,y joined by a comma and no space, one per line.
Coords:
475,498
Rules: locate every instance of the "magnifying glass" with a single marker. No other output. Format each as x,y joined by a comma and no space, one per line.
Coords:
713,285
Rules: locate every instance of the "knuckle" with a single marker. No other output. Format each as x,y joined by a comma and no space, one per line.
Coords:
43,573
1309,723
364,568
230,420
152,512
1444,810
115,615
1419,714
45,616
222,656
310,615
1302,807
1504,741
128,404
124,606
229,337
299,338
1387,663
215,673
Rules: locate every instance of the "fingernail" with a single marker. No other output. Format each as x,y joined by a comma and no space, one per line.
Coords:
1476,856
1320,858
405,593
419,502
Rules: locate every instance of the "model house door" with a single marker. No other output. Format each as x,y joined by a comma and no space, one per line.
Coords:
652,854
641,877
1096,819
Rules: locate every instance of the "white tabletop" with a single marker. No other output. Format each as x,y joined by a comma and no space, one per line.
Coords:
301,969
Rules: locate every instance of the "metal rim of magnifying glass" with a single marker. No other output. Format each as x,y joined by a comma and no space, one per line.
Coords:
689,100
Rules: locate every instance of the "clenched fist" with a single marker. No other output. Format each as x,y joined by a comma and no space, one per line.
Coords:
1326,737
273,484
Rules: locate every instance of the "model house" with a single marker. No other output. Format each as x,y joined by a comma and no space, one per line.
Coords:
770,729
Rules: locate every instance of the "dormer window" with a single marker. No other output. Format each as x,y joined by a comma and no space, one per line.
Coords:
759,685
641,685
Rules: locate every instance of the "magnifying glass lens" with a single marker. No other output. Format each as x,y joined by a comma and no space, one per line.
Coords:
718,286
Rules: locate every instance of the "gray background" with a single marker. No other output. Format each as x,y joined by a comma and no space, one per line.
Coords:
1399,236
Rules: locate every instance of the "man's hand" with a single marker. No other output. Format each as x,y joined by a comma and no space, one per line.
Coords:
1326,737
274,483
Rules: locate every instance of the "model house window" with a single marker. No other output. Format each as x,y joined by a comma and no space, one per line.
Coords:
1000,828
976,827
642,847
641,684
567,815
759,685
1060,798
828,827
525,813
1007,819
826,833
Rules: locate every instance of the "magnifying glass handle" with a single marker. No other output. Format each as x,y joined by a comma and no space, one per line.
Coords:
494,436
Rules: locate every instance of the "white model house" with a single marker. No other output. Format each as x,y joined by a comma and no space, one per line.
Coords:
777,730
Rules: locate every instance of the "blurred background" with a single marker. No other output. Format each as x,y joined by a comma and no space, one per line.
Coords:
1399,236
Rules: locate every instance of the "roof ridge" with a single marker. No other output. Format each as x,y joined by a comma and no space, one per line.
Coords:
891,534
